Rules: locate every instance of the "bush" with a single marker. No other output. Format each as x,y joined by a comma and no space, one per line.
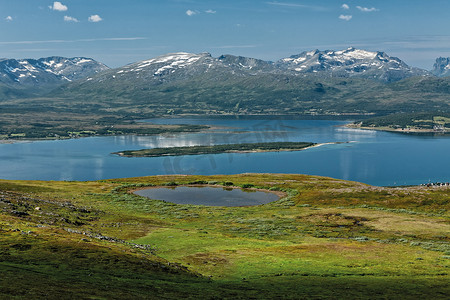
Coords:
247,185
198,182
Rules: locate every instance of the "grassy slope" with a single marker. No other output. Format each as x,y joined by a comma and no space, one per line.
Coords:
328,238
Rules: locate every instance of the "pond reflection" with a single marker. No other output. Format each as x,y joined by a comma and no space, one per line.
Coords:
209,196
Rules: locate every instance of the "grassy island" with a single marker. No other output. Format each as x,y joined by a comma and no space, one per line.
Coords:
216,149
326,239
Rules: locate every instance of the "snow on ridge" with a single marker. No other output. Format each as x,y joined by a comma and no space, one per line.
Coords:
171,61
49,63
83,60
360,54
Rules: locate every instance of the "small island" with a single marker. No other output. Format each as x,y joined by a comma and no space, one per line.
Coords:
216,149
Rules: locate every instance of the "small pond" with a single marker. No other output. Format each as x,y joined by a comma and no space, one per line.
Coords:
210,196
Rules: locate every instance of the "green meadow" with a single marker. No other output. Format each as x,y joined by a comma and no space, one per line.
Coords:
325,238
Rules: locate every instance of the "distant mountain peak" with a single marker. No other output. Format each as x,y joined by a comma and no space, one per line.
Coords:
441,67
49,70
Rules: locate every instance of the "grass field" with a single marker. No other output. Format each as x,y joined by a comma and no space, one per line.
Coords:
326,239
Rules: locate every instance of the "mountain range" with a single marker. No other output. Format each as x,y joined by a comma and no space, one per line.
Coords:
313,82
329,63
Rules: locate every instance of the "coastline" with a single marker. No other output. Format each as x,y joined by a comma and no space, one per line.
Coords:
398,130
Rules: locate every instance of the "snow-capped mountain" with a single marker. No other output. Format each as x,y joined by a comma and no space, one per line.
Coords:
165,65
441,67
47,71
351,62
178,66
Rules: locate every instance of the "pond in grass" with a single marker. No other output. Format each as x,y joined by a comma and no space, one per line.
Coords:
210,196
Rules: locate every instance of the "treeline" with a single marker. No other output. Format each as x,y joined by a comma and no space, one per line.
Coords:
215,149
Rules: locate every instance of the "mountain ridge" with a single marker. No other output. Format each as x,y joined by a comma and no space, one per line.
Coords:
350,62
349,81
47,72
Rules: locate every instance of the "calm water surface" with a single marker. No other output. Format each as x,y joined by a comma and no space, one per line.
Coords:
211,196
378,158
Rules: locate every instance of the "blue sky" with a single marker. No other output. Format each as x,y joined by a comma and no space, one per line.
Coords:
118,32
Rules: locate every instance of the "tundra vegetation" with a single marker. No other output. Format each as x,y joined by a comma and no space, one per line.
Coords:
325,238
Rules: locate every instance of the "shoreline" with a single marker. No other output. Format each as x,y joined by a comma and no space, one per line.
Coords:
398,130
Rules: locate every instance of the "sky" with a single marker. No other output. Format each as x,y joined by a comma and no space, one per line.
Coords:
119,32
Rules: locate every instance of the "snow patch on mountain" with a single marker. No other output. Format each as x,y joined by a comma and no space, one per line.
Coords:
164,63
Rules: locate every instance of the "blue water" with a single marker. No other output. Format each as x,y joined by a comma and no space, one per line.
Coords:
210,196
373,157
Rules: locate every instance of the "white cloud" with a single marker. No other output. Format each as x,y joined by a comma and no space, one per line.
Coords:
345,6
366,9
190,13
8,18
70,19
58,6
95,18
296,5
210,11
345,17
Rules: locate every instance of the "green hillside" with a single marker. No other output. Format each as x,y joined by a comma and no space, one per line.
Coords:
261,94
324,238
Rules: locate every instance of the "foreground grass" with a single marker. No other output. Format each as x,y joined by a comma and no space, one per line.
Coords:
326,239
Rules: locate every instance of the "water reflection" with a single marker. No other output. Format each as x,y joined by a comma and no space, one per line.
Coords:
210,196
